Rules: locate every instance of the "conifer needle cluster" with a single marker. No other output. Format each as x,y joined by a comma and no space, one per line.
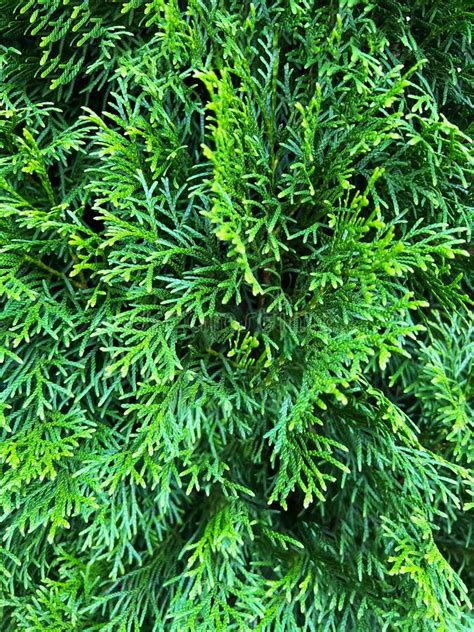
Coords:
236,331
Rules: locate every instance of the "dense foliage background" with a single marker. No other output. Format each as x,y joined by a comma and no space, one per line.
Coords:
235,331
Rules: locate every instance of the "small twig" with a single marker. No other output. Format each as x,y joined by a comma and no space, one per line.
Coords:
56,273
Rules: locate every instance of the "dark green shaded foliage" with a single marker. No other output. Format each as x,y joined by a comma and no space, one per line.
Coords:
236,332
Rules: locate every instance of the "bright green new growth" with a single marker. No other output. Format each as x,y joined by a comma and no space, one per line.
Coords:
236,337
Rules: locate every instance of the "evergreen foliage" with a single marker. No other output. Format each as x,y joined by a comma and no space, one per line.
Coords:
236,332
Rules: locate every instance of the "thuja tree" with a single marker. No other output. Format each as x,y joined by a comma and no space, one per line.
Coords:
235,332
